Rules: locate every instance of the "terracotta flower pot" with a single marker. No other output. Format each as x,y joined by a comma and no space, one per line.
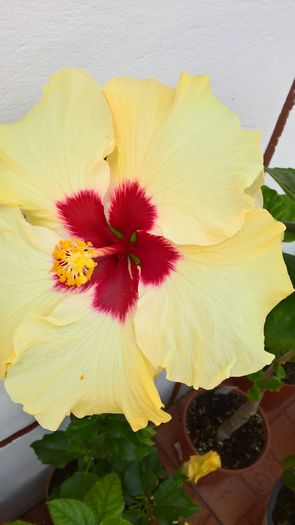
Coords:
188,448
48,483
38,514
267,520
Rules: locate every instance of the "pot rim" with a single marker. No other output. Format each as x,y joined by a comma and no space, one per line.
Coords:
48,482
200,391
273,499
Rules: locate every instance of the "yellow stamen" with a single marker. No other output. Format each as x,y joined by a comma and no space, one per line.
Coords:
73,261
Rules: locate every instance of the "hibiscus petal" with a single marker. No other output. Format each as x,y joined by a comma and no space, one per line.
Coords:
157,257
188,151
116,289
131,209
78,361
58,148
207,319
256,191
25,283
83,215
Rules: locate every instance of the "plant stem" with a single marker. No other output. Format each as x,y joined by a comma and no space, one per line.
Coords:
248,409
238,419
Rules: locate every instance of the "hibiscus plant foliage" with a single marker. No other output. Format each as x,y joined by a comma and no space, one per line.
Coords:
116,475
280,323
288,465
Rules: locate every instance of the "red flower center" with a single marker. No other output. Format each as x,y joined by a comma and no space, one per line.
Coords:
129,252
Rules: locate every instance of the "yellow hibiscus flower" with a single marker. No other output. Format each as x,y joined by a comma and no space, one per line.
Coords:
141,248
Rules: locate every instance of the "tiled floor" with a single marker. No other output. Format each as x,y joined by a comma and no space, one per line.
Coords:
240,499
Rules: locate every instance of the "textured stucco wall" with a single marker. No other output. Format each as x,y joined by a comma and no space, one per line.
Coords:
246,45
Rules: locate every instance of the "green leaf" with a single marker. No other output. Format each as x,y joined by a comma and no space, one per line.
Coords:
114,521
254,393
289,462
170,502
117,440
273,383
258,380
138,481
279,371
290,263
52,449
289,479
281,208
141,477
105,498
84,428
78,485
279,329
132,479
136,516
70,512
79,450
285,177
256,377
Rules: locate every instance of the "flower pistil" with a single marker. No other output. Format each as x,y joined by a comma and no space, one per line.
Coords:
73,261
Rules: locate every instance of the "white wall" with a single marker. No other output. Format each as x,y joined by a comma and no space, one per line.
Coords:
246,45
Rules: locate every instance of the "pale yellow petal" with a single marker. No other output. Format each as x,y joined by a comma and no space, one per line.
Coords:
139,108
58,148
207,318
77,360
255,190
25,283
188,151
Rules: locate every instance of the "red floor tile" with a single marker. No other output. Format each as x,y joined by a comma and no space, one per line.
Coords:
203,517
256,514
290,411
282,437
228,497
244,521
210,521
260,481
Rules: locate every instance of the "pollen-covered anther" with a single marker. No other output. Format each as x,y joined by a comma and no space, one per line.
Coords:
73,261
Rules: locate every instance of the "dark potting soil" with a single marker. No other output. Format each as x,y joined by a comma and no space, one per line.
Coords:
284,511
289,378
206,413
